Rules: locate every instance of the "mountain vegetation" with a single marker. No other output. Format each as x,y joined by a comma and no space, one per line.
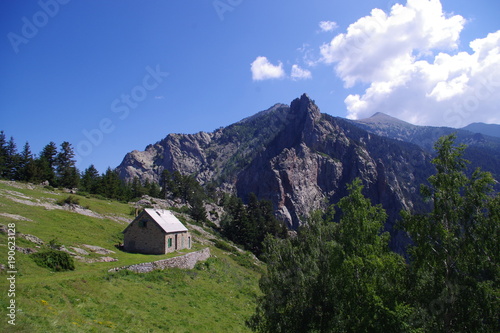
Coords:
342,277
57,168
368,226
217,295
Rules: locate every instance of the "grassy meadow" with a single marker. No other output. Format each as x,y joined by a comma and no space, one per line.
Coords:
217,296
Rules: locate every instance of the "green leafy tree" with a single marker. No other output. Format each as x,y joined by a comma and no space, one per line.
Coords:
455,257
334,277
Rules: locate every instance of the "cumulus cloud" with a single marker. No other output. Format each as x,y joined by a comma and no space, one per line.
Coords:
381,46
327,26
394,54
299,73
262,69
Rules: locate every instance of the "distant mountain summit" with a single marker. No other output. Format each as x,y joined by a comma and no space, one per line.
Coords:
382,118
486,129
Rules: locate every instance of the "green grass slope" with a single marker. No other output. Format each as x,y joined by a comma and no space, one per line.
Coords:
217,296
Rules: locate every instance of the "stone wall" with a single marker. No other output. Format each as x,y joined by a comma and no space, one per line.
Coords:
187,261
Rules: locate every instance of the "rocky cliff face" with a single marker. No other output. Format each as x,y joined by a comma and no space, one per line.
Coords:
295,156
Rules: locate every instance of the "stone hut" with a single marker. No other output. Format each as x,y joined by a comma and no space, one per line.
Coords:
156,231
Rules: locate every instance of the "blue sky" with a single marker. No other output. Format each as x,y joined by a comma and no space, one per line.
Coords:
113,76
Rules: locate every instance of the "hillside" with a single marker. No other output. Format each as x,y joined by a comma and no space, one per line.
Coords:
218,295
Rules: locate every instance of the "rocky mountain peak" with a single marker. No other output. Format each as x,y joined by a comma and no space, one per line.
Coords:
305,107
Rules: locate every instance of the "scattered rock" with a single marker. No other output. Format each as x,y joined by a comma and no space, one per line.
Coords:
31,238
98,249
107,259
26,250
16,217
94,260
64,249
79,251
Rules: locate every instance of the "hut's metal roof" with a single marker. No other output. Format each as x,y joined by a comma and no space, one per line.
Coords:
166,220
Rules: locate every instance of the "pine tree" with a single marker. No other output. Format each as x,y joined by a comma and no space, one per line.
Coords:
47,163
112,186
3,155
136,187
11,160
90,180
27,168
68,175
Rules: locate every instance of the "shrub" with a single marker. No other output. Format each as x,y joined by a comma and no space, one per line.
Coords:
70,200
48,187
223,246
55,260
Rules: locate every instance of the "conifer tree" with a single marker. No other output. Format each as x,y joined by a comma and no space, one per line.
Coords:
68,175
47,163
27,168
90,180
11,161
3,154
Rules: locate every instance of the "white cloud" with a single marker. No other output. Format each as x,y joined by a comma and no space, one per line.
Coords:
300,74
393,54
327,26
262,69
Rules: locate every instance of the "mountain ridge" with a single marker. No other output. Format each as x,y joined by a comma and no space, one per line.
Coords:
482,150
295,156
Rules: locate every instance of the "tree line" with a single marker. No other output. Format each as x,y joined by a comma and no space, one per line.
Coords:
342,276
248,225
57,168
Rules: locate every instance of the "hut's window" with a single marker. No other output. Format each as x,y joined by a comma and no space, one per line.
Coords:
143,223
170,242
